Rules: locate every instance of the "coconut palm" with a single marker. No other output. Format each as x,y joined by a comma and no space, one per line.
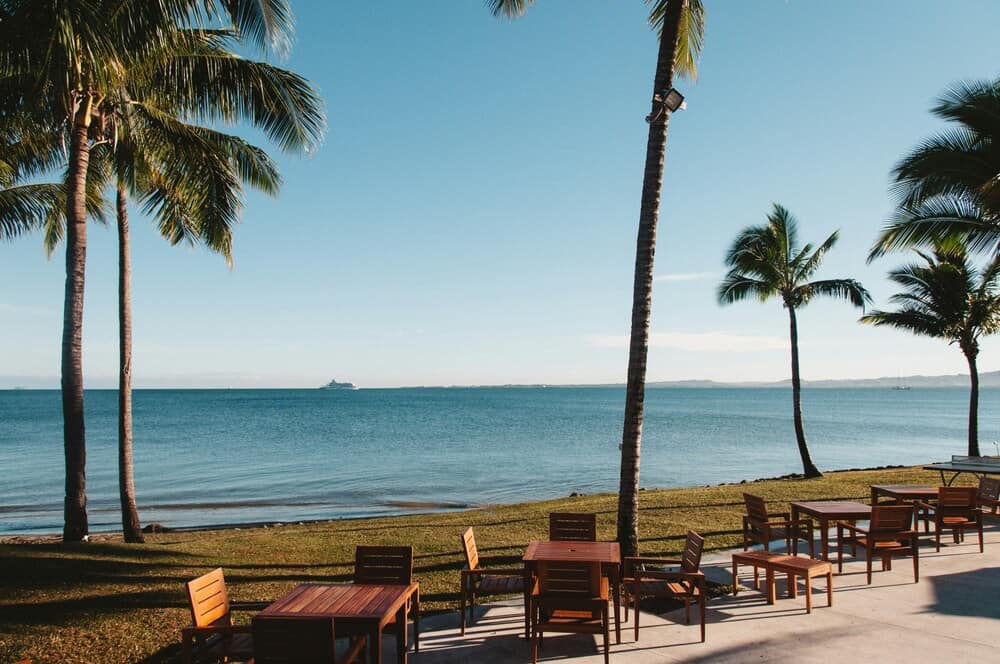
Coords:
765,262
59,63
946,297
680,24
950,184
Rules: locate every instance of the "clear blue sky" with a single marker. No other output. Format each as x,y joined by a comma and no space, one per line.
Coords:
471,216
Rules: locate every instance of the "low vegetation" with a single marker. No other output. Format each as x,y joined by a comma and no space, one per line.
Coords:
111,602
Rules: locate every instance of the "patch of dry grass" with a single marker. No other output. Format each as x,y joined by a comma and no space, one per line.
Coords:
111,602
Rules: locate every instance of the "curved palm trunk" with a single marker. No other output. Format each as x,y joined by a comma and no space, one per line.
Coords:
642,292
808,467
75,527
131,529
973,404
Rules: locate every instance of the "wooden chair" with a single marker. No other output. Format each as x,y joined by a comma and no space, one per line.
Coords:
762,527
890,533
212,635
284,640
957,510
388,566
645,577
571,598
481,581
989,495
569,527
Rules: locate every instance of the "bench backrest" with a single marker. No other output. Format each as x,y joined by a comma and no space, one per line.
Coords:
469,548
691,557
887,519
756,508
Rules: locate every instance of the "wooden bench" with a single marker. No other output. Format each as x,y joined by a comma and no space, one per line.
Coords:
794,566
806,568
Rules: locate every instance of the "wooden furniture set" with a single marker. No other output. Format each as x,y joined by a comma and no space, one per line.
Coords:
302,626
568,581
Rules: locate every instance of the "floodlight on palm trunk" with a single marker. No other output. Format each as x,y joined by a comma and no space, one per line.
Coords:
669,101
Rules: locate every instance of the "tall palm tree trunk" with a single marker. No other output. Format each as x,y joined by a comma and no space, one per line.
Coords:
809,469
75,527
642,291
131,529
973,404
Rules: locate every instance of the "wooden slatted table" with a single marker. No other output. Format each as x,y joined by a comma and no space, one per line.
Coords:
606,553
825,512
356,608
903,493
806,568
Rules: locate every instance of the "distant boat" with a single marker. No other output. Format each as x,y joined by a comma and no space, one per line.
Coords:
900,385
334,385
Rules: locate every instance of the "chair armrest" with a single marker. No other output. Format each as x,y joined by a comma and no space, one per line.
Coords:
225,630
854,529
249,606
783,515
927,506
672,576
630,563
493,571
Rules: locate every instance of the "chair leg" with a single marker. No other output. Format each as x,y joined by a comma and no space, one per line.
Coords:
980,535
937,538
607,636
701,612
916,560
635,610
687,610
462,611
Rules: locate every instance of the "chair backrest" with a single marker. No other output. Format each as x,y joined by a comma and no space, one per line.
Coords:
286,640
691,557
570,527
891,518
756,508
568,584
208,600
957,500
989,488
384,565
469,547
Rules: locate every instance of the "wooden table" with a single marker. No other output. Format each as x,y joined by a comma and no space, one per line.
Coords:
356,608
903,493
824,512
606,553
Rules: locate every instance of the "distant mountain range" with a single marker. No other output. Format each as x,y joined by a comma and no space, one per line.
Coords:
986,379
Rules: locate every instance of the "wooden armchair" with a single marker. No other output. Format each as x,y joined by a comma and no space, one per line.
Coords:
481,581
646,577
569,527
957,510
300,640
989,495
569,597
762,527
212,635
890,533
388,566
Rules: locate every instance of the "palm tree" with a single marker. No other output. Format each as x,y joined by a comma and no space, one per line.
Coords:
950,184
945,297
680,24
766,261
60,61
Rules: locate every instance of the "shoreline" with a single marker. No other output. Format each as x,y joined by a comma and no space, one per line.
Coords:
433,508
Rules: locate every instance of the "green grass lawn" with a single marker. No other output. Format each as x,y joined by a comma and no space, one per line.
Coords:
111,602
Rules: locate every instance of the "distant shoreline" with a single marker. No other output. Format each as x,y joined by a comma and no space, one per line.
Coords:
420,508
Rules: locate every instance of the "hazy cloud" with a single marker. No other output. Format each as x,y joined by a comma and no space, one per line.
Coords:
712,341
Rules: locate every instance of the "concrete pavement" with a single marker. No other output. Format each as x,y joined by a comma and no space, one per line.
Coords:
951,615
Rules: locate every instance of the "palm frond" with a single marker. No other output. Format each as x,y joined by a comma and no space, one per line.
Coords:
841,289
935,221
736,287
691,33
508,8
24,208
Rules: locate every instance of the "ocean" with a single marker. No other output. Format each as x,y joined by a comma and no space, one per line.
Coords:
206,457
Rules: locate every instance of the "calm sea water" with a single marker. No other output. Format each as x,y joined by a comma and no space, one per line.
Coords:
235,456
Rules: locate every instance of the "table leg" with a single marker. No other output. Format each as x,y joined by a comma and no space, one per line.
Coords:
824,537
795,540
376,646
829,588
401,645
416,621
793,586
528,577
809,593
616,588
769,582
736,579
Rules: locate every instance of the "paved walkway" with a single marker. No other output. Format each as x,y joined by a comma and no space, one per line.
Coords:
952,615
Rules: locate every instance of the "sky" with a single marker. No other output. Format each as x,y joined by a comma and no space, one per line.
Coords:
471,215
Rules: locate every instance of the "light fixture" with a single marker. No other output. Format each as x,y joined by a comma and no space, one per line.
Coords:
669,101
